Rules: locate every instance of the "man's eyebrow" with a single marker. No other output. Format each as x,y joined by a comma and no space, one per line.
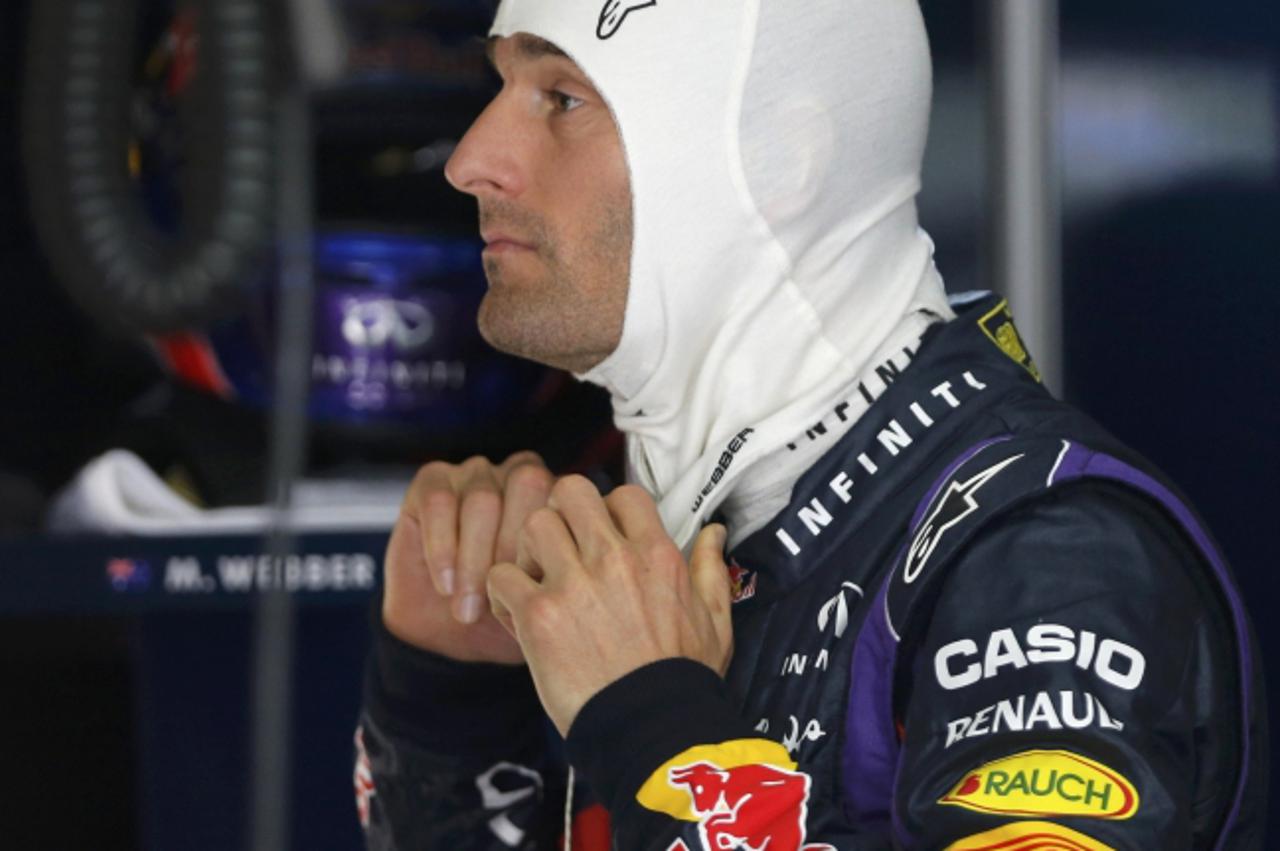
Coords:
527,46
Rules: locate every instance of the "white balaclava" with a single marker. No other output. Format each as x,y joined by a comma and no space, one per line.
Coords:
774,148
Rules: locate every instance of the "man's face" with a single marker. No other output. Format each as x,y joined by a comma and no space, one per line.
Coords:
546,164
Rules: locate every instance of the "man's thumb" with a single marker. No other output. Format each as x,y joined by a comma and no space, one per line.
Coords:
709,573
710,578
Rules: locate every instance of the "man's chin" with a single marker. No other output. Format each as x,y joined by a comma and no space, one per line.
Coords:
516,269
510,330
500,323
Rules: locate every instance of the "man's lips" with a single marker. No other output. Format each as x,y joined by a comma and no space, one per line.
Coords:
501,242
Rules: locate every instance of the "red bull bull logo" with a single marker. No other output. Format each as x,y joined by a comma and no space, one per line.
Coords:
362,779
744,795
742,582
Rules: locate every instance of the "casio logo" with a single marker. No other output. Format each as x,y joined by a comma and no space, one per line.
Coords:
962,663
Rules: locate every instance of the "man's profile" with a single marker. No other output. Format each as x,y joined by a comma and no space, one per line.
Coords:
974,618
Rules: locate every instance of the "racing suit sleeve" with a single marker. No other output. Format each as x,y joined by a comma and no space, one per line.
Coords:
452,755
1074,686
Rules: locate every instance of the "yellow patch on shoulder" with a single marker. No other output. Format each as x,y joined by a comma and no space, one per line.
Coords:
999,328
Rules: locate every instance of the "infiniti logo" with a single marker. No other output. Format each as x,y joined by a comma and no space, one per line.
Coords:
373,324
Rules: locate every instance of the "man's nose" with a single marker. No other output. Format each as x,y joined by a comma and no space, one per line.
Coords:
485,163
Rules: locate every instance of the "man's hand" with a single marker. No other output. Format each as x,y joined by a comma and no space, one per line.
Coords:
598,589
456,522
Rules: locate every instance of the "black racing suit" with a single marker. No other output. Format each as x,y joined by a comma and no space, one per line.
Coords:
980,623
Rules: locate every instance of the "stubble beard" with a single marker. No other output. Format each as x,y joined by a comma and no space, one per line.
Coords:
564,308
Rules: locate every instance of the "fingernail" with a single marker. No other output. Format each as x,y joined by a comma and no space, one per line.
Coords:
469,608
446,581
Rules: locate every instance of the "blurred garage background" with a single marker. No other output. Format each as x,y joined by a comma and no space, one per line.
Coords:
126,642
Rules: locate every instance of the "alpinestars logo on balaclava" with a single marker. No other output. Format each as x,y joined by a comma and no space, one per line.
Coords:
615,12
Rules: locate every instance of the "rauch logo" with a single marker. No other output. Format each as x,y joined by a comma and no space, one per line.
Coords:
1052,783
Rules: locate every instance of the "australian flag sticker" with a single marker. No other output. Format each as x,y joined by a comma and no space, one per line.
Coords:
128,574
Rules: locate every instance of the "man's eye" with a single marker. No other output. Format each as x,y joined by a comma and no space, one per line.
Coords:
564,102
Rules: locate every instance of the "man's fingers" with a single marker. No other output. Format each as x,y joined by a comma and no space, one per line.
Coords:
509,590
579,502
479,509
526,487
527,458
479,518
433,504
546,548
636,515
404,551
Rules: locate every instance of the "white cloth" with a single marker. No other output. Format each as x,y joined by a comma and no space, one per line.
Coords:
117,493
774,149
